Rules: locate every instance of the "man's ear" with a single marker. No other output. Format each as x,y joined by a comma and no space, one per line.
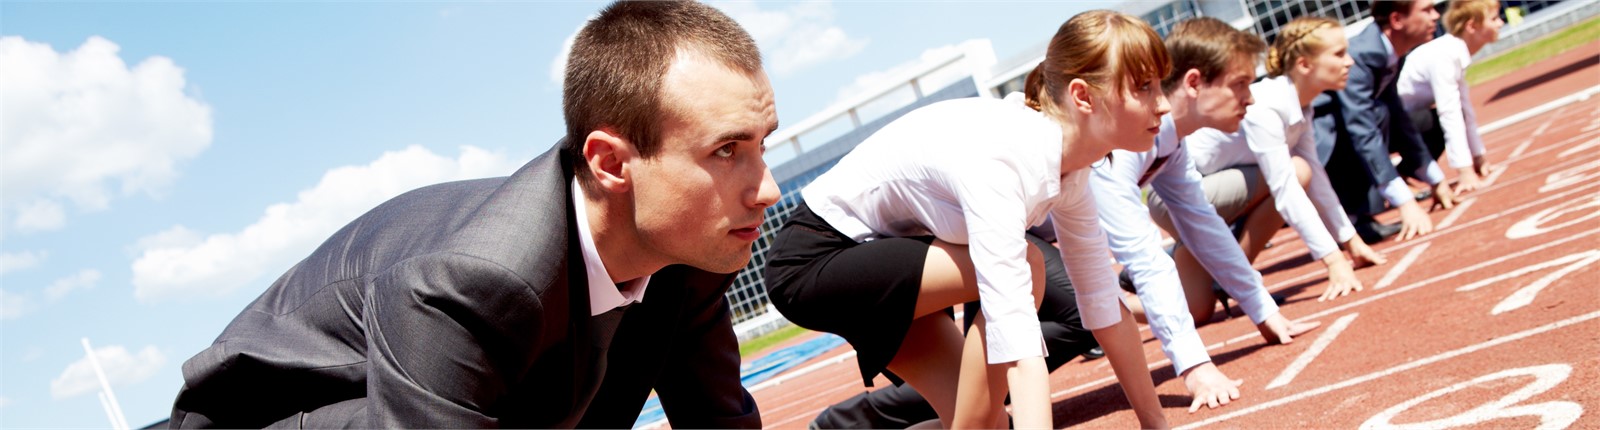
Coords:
608,156
1191,82
1078,94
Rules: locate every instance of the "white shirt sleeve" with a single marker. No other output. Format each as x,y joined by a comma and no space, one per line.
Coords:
1084,251
1208,237
1450,100
1264,133
1137,245
1320,189
996,217
1397,193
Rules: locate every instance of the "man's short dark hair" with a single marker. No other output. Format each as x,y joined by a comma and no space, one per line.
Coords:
1208,45
620,59
1381,9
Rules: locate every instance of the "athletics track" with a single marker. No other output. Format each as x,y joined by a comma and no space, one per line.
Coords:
1492,321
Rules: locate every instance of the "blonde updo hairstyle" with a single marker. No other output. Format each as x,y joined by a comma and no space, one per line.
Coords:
1106,49
1295,41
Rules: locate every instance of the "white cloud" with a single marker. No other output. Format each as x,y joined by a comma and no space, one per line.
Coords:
40,215
4,401
85,278
558,66
790,40
82,127
13,306
177,263
933,82
120,367
14,261
800,36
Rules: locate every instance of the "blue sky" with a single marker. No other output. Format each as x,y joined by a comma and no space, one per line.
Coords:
163,162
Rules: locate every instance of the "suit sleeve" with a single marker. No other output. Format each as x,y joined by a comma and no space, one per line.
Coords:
1364,116
699,385
447,336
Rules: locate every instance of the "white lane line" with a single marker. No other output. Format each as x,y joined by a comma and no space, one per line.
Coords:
1452,274
1305,358
803,371
1427,240
1426,282
1397,369
1521,147
1538,110
1400,268
1461,208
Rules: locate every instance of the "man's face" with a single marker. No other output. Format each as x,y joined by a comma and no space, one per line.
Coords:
1418,23
1222,101
700,200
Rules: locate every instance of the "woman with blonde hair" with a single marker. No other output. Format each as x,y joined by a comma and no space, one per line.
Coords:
1433,89
1275,150
930,212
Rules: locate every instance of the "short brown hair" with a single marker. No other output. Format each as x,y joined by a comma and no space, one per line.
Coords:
1294,41
1463,12
1381,9
620,59
1107,49
1208,45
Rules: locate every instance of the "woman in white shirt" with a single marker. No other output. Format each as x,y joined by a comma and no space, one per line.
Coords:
1274,149
1433,88
930,212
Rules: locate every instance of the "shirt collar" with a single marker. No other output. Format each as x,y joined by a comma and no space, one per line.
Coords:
1388,49
603,295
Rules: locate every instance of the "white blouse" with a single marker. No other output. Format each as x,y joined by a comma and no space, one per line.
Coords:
1276,128
1435,73
978,172
1136,242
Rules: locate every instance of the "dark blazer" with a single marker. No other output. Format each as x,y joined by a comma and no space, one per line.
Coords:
1356,123
465,304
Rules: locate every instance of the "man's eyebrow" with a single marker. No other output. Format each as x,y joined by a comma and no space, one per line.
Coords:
735,136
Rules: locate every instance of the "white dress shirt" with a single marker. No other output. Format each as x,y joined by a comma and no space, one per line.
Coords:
1136,242
1276,128
978,172
603,295
1435,73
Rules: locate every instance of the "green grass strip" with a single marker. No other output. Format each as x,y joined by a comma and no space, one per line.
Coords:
763,342
1532,52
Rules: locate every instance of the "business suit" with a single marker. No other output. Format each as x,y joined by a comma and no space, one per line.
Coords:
461,305
1362,124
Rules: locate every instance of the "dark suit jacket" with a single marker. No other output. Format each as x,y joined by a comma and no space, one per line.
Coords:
465,304
1356,122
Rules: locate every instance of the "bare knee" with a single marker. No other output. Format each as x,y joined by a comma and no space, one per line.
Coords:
1302,170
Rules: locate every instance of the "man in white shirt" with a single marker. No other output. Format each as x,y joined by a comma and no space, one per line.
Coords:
1356,124
1433,88
1213,65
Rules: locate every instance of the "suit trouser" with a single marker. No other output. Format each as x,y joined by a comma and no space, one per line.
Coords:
1427,124
900,406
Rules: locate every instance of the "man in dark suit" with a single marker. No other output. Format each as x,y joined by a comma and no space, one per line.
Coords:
496,302
1355,123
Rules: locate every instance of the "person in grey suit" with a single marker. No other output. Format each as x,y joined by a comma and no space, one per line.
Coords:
1353,125
516,301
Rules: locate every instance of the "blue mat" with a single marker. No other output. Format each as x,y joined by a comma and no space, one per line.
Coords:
762,369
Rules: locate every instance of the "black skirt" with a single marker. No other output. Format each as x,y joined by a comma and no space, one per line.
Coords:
866,292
